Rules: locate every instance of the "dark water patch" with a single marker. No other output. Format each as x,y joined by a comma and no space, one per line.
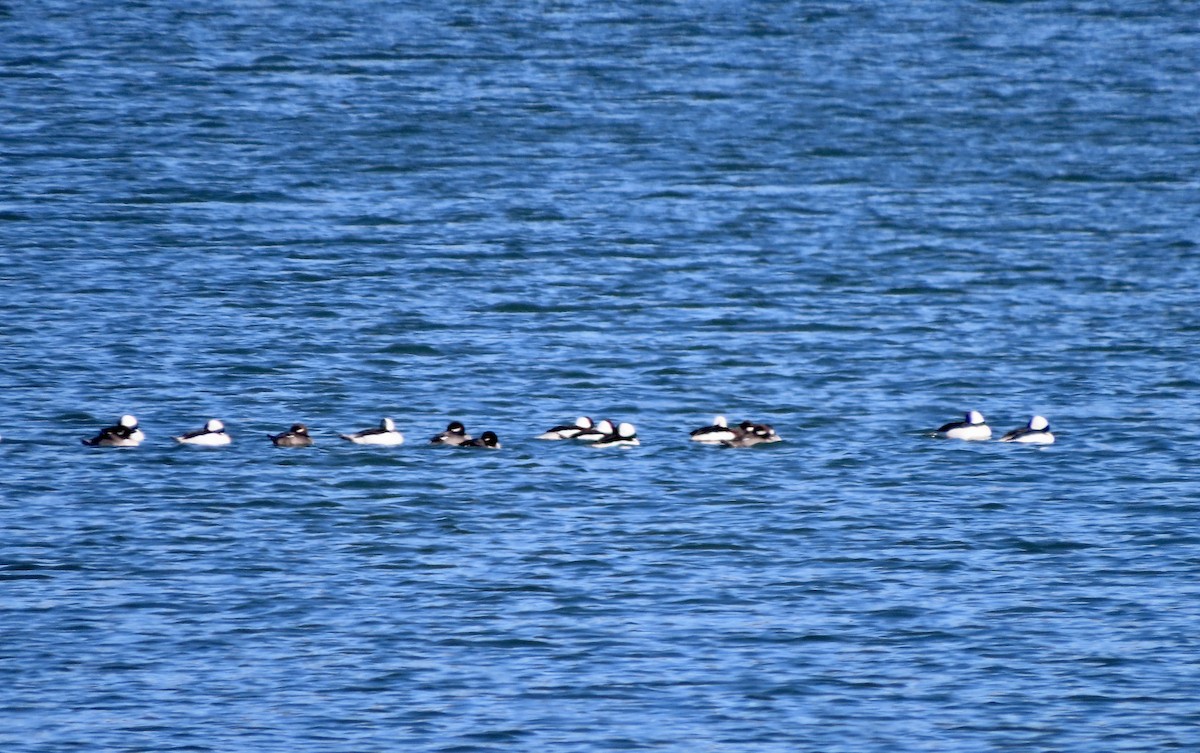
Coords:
196,196
526,308
410,349
1049,547
18,574
375,221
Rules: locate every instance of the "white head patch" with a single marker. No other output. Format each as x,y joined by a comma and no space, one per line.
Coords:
1039,423
974,417
128,421
214,425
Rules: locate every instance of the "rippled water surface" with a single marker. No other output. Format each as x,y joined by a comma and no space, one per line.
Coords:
852,221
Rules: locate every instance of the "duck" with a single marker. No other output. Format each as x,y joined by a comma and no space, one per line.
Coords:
625,435
972,427
1037,431
455,434
297,436
750,434
487,440
384,434
125,434
212,435
582,424
602,428
718,431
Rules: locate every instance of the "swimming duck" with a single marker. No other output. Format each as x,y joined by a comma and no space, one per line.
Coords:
750,434
212,435
1037,431
455,434
602,428
718,432
487,440
384,434
583,423
972,427
125,434
624,436
297,436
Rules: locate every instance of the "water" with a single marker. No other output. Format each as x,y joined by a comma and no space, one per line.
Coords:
854,223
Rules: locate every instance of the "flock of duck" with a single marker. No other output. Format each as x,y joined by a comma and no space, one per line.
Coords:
974,428
604,433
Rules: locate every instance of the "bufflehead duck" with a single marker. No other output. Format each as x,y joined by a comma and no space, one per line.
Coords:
212,435
384,434
455,434
603,428
582,424
297,436
624,436
718,432
1037,431
125,434
972,427
750,434
487,440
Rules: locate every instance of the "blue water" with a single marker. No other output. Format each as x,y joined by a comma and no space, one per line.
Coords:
852,221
